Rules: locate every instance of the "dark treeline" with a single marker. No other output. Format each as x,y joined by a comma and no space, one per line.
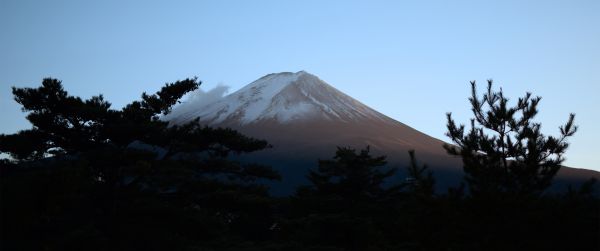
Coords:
88,177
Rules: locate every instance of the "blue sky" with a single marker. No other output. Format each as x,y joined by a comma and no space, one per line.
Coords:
411,60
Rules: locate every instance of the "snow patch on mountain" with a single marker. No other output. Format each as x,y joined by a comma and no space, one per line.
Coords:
282,97
256,98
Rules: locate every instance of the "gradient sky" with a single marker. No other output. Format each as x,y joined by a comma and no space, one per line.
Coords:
411,60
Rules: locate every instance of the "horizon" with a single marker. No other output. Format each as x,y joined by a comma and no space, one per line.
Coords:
390,50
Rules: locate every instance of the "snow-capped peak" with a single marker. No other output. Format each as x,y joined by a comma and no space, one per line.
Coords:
282,97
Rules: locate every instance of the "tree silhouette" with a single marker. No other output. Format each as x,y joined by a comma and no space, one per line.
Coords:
340,210
67,125
351,175
85,173
86,176
420,180
504,152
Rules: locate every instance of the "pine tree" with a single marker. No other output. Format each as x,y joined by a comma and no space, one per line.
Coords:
77,176
342,208
420,180
64,125
351,175
504,152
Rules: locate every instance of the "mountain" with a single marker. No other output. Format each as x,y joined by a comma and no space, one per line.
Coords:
305,119
300,110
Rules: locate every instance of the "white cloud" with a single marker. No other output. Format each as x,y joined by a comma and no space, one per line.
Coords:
198,99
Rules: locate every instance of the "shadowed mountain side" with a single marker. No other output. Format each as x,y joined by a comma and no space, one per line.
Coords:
298,146
573,176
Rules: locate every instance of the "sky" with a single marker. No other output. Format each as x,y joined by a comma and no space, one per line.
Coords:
411,60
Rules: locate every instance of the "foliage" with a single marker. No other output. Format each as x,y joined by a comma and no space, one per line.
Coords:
505,152
86,174
352,175
420,180
88,177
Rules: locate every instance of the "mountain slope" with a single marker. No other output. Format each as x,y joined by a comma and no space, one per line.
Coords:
300,107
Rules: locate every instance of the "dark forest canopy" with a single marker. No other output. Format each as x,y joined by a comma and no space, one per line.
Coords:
87,176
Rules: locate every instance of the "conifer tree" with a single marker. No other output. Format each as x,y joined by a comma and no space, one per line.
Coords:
420,180
342,207
504,152
351,174
77,176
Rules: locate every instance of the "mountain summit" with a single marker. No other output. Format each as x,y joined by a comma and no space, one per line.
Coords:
305,119
282,97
